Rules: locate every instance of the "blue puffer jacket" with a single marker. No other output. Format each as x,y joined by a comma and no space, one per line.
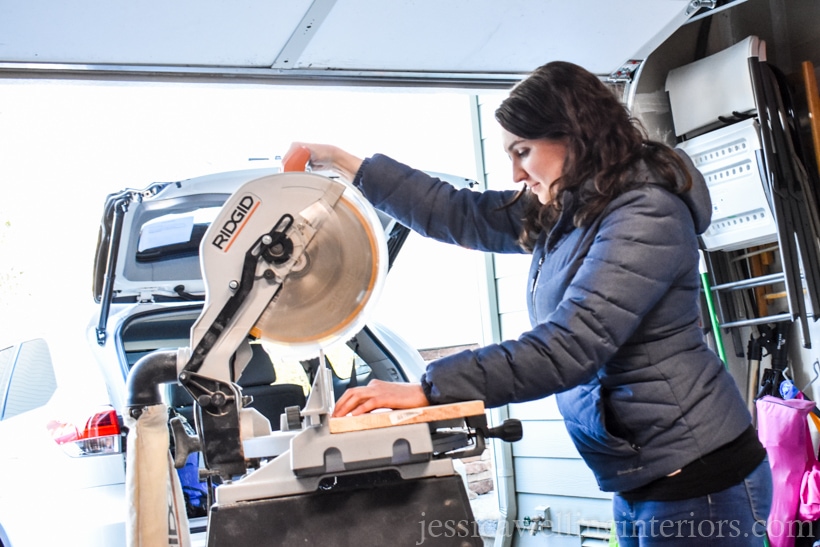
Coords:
615,321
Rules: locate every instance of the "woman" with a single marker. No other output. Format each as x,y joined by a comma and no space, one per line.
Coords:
611,220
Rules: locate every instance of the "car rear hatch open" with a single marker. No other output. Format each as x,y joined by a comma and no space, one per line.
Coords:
148,244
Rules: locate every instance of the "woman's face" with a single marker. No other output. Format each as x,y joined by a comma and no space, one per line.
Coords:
535,162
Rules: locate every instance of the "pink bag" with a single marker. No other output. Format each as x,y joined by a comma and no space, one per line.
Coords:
783,428
809,508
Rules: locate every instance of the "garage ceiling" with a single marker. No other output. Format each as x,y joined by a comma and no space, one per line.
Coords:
474,43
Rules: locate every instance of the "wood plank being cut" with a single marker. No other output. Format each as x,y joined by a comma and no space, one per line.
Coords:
379,419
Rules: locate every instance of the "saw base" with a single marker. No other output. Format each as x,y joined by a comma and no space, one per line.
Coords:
380,510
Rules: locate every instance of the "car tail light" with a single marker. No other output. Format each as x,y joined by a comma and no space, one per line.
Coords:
98,434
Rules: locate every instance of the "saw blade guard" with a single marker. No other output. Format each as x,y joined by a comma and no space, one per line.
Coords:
337,272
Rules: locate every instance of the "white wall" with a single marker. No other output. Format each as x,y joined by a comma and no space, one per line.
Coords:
65,145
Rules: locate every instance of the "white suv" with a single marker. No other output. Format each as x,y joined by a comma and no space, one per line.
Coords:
62,440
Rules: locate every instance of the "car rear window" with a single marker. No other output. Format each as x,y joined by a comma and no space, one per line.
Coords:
174,236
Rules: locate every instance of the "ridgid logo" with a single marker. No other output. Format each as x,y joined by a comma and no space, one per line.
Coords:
237,219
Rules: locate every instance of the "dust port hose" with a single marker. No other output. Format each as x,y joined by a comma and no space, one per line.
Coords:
145,377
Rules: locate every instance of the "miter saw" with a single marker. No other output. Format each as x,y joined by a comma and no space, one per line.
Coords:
297,259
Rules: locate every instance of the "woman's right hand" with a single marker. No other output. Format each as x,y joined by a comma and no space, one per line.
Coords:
327,157
378,394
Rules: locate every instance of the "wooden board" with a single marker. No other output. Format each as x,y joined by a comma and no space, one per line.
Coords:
376,420
813,99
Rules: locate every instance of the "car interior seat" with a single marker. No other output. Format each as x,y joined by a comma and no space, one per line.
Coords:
340,385
271,400
257,380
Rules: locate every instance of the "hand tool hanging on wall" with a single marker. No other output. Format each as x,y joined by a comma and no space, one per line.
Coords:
754,355
773,340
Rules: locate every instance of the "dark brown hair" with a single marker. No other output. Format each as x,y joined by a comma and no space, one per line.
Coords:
563,101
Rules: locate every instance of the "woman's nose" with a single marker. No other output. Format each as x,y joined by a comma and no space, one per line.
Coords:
518,173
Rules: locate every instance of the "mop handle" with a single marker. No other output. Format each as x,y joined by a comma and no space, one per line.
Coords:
704,278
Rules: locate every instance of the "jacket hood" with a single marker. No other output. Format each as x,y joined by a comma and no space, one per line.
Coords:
697,198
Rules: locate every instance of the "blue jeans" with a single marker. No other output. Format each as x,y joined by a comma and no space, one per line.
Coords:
733,517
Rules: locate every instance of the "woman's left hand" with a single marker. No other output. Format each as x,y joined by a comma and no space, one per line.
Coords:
326,156
379,394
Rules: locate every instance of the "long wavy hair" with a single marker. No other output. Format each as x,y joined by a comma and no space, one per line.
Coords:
562,101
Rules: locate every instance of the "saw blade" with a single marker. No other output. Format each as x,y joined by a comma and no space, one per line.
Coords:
323,299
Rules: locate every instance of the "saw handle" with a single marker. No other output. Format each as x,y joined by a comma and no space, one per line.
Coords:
296,160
